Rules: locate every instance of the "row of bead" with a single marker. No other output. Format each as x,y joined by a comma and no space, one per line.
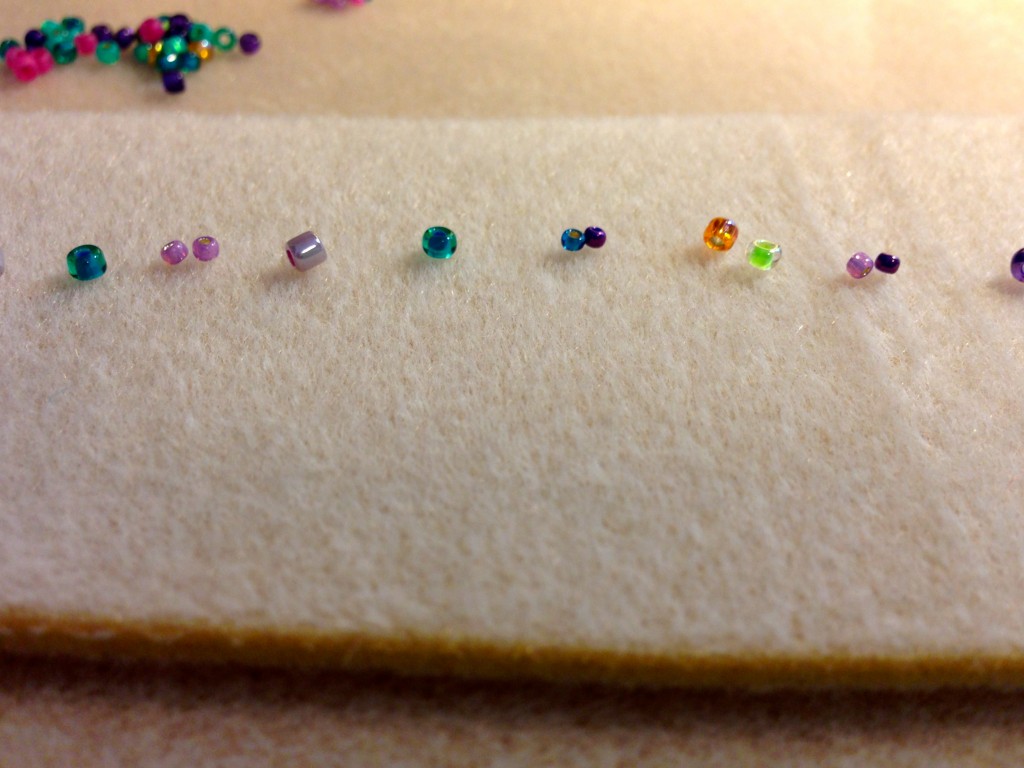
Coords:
175,45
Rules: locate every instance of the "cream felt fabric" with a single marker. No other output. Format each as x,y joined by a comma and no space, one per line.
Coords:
647,449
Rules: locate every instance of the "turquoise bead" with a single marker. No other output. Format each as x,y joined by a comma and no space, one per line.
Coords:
74,25
50,28
63,49
175,44
170,62
108,52
190,62
225,38
200,32
573,240
439,243
86,262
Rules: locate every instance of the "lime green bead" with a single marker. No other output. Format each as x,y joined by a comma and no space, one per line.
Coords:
175,44
74,25
200,32
763,254
225,39
108,52
141,52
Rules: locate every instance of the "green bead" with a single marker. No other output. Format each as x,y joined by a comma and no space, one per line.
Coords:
169,62
86,262
439,243
64,51
74,25
190,62
763,254
175,44
200,32
141,52
50,28
6,45
108,52
225,39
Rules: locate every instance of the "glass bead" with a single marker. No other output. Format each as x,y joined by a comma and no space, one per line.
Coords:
594,237
35,38
720,234
174,252
86,262
7,45
763,254
151,30
224,38
439,243
86,44
1017,265
22,64
190,62
50,28
174,82
74,25
859,265
108,52
202,48
156,50
886,263
43,59
169,62
200,32
1,261
305,251
178,25
125,37
64,52
142,52
103,33
205,248
175,44
573,240
249,43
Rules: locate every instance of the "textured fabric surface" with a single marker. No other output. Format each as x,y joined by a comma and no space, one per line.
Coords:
646,449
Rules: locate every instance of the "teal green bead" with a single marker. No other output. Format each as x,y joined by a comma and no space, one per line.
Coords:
439,243
6,45
175,44
86,262
74,25
64,51
50,28
169,62
200,32
141,52
190,62
225,39
108,52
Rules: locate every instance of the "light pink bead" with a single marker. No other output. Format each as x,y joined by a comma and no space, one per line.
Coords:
43,60
86,44
151,31
174,252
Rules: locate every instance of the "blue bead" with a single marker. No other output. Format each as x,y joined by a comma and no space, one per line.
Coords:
86,262
439,243
573,240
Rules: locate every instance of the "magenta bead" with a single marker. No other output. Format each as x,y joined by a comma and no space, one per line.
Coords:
43,59
174,252
859,265
86,44
23,64
205,248
151,31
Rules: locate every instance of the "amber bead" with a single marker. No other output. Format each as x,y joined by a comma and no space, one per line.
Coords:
720,234
201,48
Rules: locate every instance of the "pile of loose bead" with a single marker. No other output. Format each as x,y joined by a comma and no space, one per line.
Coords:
174,45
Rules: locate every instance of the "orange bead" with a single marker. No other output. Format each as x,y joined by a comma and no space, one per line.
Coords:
720,234
202,49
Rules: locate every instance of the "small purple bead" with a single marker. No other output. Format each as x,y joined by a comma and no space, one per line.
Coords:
34,38
249,43
886,263
205,248
178,26
1017,265
103,33
125,37
174,82
594,237
859,265
174,252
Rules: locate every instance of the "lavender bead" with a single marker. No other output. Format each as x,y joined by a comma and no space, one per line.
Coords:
1017,265
305,251
174,252
859,265
205,248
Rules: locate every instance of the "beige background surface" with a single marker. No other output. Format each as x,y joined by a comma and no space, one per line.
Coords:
647,59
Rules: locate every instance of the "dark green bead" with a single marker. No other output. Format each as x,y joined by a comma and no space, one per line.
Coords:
64,52
225,39
6,45
175,44
86,262
74,25
200,32
108,52
141,52
190,62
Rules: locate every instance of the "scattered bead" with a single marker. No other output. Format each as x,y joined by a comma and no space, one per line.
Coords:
125,37
439,243
205,248
174,82
720,234
594,237
108,52
859,265
86,44
573,240
886,263
249,43
174,252
763,254
150,31
86,262
305,251
1017,265
224,38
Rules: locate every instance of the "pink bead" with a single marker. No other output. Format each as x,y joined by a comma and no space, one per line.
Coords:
43,59
151,31
22,64
86,44
205,248
13,56
174,252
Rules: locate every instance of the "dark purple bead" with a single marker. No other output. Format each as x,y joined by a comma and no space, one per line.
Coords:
35,38
1017,265
886,263
103,33
125,37
249,43
178,26
594,237
174,82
